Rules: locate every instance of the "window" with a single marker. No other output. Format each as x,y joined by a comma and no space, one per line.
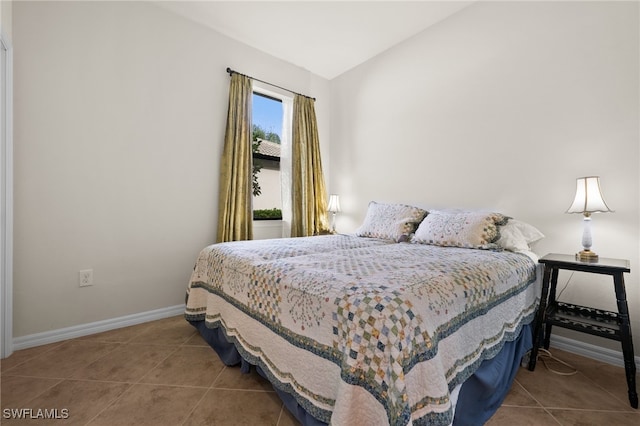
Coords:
267,137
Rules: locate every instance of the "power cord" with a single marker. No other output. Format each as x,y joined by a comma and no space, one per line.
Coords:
565,285
545,356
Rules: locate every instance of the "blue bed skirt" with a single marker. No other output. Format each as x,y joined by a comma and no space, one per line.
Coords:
480,396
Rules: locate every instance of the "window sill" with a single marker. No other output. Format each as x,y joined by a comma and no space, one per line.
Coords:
266,229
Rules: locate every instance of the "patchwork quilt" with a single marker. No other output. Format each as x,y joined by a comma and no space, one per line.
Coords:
362,328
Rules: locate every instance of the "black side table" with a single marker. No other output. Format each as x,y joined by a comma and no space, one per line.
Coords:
597,322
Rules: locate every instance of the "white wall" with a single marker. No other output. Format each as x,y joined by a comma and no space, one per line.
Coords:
120,110
502,106
6,7
119,120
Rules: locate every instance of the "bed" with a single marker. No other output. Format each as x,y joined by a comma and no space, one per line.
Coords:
377,327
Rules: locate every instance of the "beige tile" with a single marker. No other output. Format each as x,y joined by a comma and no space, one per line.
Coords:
17,391
64,360
169,331
177,366
18,357
610,377
189,366
151,405
176,319
287,419
519,397
83,400
576,391
128,363
236,408
120,335
521,416
232,378
595,418
197,340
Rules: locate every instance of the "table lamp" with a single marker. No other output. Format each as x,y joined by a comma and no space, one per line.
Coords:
588,200
333,208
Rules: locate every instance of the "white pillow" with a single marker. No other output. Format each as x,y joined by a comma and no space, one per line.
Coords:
518,236
390,221
529,232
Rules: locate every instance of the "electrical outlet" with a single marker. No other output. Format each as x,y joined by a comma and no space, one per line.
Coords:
85,277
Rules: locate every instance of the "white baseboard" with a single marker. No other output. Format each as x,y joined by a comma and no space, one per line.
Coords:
61,334
587,350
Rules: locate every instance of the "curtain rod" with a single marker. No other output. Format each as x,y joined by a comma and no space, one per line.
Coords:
230,71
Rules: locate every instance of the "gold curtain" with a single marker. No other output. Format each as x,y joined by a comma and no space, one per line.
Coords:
235,218
308,192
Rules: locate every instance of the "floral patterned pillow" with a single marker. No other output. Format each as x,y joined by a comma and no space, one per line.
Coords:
465,229
390,221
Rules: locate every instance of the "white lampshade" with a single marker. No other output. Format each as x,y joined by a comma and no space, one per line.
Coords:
588,197
334,203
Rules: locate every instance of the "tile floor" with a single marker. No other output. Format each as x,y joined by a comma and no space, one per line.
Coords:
141,376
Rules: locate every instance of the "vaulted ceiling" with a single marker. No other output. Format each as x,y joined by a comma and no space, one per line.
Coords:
324,37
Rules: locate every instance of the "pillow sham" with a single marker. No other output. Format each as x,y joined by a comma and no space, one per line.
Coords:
390,221
463,229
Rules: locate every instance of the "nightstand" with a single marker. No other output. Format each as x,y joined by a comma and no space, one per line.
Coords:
597,322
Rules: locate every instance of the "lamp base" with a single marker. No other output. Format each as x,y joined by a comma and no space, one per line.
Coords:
586,256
